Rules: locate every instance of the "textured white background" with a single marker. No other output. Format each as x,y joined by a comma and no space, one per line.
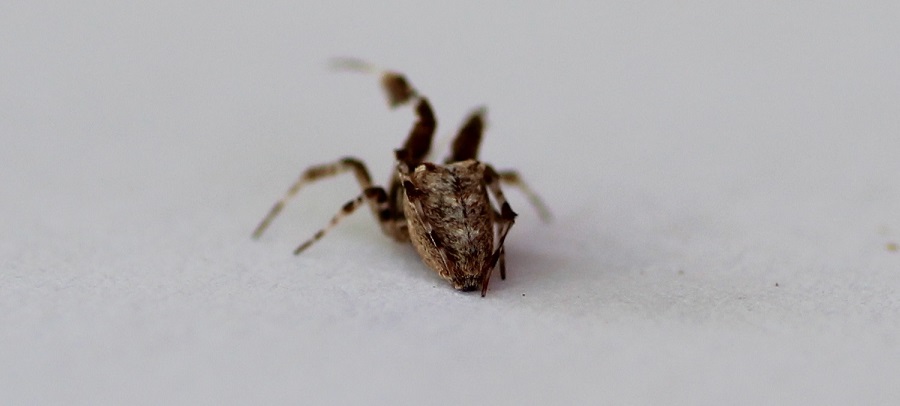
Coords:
724,179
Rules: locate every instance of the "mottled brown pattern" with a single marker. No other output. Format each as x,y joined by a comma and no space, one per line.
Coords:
443,210
453,231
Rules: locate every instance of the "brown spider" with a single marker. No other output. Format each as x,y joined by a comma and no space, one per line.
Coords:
444,210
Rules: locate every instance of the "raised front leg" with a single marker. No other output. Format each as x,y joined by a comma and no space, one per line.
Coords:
399,92
397,89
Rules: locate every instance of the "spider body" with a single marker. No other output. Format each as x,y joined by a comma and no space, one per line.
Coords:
443,210
454,197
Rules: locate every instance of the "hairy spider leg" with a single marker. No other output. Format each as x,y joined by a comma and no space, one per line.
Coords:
376,198
414,150
512,178
418,143
399,92
502,263
504,222
468,139
381,206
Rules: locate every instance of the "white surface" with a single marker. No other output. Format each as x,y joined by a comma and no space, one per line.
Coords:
724,180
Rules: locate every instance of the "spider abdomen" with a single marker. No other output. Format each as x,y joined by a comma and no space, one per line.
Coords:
451,221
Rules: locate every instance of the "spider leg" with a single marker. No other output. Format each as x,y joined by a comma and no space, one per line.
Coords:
418,143
468,139
502,263
504,222
397,89
399,92
376,196
512,178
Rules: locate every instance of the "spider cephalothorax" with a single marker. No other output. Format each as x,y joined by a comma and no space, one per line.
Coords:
443,210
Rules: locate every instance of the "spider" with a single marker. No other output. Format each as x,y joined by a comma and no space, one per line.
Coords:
443,210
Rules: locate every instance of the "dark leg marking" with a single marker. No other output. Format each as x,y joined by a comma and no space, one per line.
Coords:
502,259
397,88
375,196
395,196
465,145
412,192
502,263
503,230
504,223
512,178
378,200
419,141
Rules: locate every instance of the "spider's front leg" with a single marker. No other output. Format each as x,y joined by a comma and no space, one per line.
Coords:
504,219
395,85
376,197
399,92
